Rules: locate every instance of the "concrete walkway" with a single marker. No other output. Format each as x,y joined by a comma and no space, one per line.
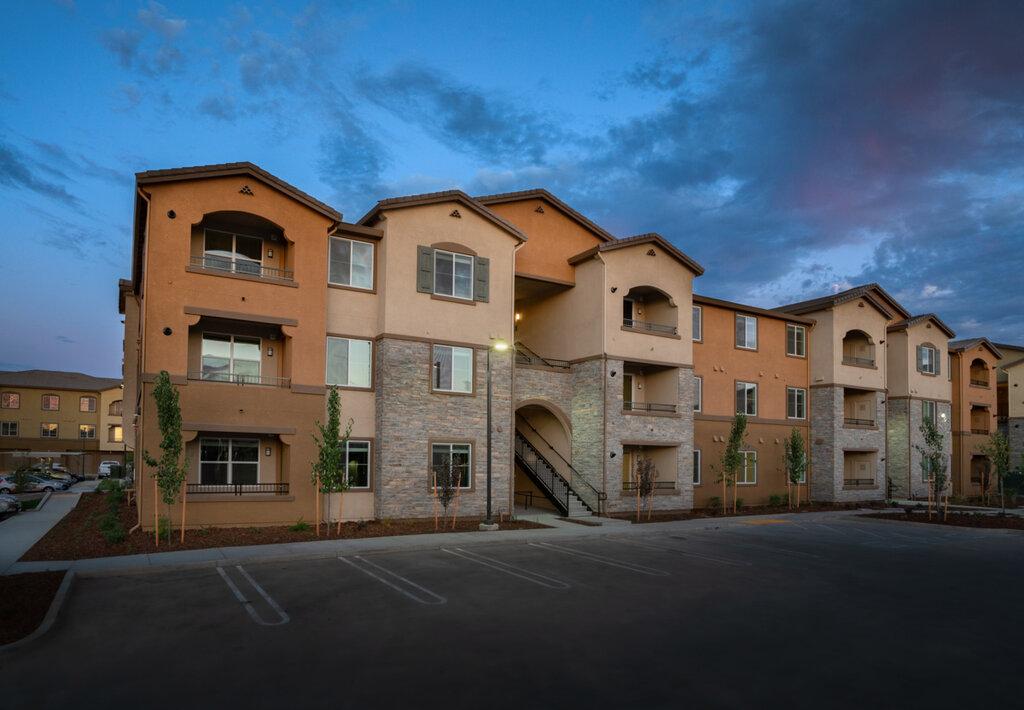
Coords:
991,509
20,532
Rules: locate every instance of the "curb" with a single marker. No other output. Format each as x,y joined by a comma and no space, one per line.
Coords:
51,614
42,502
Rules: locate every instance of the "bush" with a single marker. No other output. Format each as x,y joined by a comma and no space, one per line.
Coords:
300,526
714,503
739,503
112,529
106,485
164,526
777,499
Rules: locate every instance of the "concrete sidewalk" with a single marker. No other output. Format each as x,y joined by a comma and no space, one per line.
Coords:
20,532
990,510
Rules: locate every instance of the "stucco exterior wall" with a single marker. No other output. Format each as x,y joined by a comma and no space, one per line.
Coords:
567,325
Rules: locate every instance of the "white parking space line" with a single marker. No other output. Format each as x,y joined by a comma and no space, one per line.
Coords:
529,576
640,569
730,540
709,558
412,590
244,601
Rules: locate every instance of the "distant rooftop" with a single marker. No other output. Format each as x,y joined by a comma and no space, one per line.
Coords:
56,380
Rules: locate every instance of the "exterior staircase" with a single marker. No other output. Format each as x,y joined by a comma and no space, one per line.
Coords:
574,496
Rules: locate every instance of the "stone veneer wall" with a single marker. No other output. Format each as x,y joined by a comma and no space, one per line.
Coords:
1015,434
903,422
829,438
409,416
587,414
544,383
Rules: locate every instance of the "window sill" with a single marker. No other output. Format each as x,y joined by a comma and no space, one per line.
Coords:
640,413
454,394
453,299
243,277
357,289
797,357
670,336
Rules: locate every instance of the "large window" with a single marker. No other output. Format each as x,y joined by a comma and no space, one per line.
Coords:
453,275
928,358
698,323
229,461
928,408
87,404
459,456
747,475
86,431
746,398
233,252
698,394
8,428
796,403
115,434
452,369
696,467
51,402
351,263
231,358
746,332
349,362
357,463
10,400
796,340
48,431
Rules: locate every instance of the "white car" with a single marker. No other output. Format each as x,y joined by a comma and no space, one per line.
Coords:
105,467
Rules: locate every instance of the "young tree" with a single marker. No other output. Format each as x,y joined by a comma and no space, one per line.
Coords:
998,452
796,462
170,468
732,458
447,484
645,473
933,464
329,473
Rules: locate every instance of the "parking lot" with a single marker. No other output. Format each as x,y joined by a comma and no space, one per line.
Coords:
804,611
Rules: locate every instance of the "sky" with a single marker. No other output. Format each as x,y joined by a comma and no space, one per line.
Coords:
793,148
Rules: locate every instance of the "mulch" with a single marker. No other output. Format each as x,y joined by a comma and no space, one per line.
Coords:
957,519
664,516
24,601
77,536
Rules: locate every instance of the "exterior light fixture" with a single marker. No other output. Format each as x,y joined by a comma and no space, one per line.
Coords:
266,452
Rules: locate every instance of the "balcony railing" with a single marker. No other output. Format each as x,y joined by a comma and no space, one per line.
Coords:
858,482
861,361
852,421
979,383
649,407
525,356
240,266
979,430
649,327
658,485
238,379
236,489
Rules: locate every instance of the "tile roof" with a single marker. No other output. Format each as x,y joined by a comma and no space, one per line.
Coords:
430,198
57,380
968,343
541,193
914,320
649,238
744,308
889,305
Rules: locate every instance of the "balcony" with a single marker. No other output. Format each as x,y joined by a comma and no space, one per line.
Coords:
239,379
858,361
858,349
979,431
650,407
646,309
646,326
859,408
243,267
237,489
651,390
241,245
854,422
858,483
979,373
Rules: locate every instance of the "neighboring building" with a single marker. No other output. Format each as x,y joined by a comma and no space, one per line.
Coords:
848,391
972,364
917,352
749,361
604,361
64,417
1011,404
1011,355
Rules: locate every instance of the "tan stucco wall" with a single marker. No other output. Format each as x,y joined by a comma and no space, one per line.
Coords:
568,324
107,420
68,418
827,348
901,356
1015,391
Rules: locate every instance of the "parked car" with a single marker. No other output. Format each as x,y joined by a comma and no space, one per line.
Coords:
9,504
42,471
33,483
106,467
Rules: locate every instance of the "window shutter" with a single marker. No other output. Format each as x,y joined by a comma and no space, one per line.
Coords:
482,285
425,270
938,363
920,358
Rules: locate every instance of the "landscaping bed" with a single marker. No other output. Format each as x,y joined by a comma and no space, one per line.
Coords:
956,519
79,536
664,516
24,601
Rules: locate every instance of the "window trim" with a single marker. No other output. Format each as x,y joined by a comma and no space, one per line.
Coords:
373,369
368,488
234,250
431,443
698,391
87,398
373,266
42,405
698,468
111,439
84,428
744,453
230,462
472,371
700,320
796,326
16,426
796,389
472,276
757,396
935,411
231,358
757,334
15,395
934,359
56,430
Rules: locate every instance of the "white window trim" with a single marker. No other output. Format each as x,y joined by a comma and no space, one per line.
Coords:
472,275
48,409
451,444
698,400
699,468
369,463
804,341
84,429
14,395
699,336
349,373
56,430
933,359
472,366
757,397
231,357
744,467
753,318
10,425
230,462
351,251
796,389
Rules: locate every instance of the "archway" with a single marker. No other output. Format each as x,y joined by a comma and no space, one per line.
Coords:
543,454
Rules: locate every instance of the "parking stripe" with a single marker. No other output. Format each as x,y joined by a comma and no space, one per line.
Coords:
767,548
535,577
425,596
244,601
709,558
640,569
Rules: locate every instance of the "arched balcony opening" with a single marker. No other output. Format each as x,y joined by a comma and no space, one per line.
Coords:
858,349
979,373
650,310
242,244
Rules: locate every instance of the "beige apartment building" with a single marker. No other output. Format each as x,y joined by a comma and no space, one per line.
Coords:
61,417
972,365
1010,398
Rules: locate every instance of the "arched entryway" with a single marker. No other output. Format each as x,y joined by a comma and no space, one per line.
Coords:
543,441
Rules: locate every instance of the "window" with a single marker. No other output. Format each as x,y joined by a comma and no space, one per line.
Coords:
87,404
928,359
229,461
86,431
233,252
8,428
796,403
51,402
351,263
115,434
747,475
349,362
453,275
696,467
928,411
746,398
459,456
746,332
698,323
10,400
698,394
116,408
452,369
231,358
357,463
796,340
48,431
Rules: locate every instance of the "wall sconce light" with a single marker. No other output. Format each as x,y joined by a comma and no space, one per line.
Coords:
167,331
611,455
613,373
266,451
519,317
270,351
270,253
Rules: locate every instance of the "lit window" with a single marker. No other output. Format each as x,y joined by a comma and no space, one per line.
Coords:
349,362
453,275
452,369
48,431
351,263
115,433
86,431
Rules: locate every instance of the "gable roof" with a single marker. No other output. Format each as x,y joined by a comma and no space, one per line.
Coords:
1008,346
199,172
872,292
915,320
57,380
542,194
958,346
743,308
1008,365
433,198
649,238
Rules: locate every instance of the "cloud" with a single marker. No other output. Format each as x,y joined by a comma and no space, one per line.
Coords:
21,172
219,106
149,46
64,339
123,44
155,17
933,291
352,159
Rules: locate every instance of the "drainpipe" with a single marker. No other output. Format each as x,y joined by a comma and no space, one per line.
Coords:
138,370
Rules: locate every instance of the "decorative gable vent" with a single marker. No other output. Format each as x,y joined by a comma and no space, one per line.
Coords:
455,214
246,190
540,209
651,252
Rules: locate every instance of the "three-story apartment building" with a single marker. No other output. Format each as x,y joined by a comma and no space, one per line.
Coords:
972,366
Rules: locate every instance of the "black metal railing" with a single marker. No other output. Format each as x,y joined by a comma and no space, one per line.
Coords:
238,379
236,489
561,490
853,421
649,407
658,485
525,356
863,361
240,266
979,431
858,482
527,497
979,383
649,327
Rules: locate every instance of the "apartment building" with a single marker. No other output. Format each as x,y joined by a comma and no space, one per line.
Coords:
972,365
64,417
756,362
1009,382
918,390
604,359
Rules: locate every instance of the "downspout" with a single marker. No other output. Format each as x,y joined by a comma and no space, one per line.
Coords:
138,369
512,393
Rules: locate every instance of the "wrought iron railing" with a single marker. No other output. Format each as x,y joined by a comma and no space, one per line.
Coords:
863,361
240,266
979,383
979,431
239,379
525,356
649,407
236,489
852,421
858,482
561,489
658,485
649,327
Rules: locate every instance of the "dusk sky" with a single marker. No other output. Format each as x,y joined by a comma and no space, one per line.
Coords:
793,148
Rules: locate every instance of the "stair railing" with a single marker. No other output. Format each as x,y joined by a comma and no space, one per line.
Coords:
584,489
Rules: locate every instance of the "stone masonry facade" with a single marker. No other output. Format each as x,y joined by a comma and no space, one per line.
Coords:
409,416
830,438
904,417
1015,435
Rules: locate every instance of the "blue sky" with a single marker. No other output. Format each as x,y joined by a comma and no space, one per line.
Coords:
793,148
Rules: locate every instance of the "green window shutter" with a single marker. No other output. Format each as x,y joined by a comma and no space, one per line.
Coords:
920,358
425,270
938,363
482,279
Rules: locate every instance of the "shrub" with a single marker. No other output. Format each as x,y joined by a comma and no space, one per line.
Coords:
714,503
300,526
112,529
164,526
106,485
739,503
776,499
